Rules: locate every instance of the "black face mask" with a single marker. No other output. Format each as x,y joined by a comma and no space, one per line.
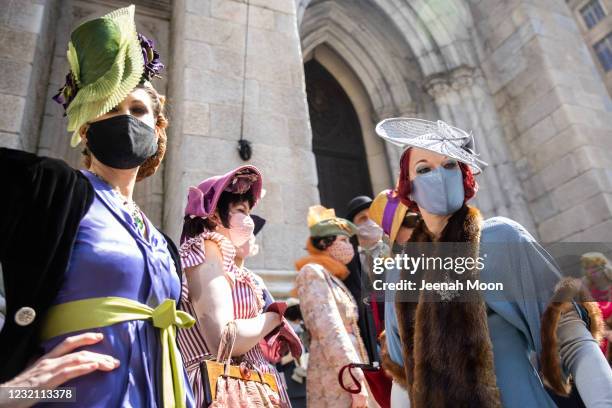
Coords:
121,142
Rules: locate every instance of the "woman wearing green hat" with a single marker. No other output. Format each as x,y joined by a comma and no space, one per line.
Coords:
330,311
82,264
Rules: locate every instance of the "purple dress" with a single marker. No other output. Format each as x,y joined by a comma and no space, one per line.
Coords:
112,258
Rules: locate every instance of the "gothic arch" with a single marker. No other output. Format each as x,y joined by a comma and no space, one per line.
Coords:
378,60
376,154
420,58
437,33
394,47
348,37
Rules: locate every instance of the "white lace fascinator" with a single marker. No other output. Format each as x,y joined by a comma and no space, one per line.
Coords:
438,137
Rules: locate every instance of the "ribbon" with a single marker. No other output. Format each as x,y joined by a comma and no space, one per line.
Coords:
105,311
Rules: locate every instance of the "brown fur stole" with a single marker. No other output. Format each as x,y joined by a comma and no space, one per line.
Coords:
448,355
392,369
566,291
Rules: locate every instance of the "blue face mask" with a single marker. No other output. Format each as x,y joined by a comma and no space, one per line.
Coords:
439,191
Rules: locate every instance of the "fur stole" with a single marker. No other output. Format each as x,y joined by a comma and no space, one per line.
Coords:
448,355
567,291
392,369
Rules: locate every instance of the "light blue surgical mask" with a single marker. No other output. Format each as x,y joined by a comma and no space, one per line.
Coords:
439,191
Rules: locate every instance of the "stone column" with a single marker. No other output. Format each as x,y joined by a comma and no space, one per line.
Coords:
214,95
556,112
463,100
26,48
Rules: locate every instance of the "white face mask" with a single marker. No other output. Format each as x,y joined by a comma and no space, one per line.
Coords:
369,233
241,227
249,248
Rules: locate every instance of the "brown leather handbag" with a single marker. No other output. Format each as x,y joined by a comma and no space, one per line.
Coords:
240,385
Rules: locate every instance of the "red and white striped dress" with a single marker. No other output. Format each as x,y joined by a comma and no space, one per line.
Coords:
247,300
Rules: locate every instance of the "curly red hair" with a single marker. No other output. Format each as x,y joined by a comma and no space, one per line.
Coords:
470,186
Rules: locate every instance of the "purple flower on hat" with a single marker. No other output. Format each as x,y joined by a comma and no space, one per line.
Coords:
152,63
152,68
242,182
68,92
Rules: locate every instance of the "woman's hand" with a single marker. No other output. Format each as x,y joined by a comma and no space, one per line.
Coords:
215,312
61,365
360,400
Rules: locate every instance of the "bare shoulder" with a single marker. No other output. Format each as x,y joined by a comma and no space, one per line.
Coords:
212,265
212,250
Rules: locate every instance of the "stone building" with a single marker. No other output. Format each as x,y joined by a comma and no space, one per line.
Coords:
305,81
595,23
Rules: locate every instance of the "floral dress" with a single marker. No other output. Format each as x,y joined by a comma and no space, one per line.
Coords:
330,314
247,300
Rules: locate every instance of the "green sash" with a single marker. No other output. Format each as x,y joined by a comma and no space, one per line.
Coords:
105,311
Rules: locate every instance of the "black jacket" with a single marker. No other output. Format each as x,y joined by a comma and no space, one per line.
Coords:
41,206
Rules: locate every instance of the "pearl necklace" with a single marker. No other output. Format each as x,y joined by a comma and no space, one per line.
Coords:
131,206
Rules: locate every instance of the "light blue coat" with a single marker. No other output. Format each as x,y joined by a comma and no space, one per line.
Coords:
529,275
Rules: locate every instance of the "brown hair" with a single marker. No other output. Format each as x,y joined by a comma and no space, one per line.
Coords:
149,167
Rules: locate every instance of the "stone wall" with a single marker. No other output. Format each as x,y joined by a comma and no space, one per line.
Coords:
556,113
594,34
217,95
25,53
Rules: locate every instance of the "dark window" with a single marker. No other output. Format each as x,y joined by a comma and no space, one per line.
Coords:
603,49
337,141
592,13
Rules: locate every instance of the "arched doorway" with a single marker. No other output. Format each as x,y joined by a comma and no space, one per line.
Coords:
337,141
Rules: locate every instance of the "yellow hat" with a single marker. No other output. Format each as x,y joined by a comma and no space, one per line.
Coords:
322,222
388,212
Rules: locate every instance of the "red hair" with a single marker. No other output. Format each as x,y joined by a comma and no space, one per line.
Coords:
403,184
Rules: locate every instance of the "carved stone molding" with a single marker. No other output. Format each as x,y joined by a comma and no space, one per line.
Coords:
437,86
408,110
383,112
462,77
440,84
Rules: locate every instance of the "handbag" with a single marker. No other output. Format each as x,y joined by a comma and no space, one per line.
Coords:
378,382
228,385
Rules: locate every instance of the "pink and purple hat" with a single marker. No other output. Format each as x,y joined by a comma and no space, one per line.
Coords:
202,200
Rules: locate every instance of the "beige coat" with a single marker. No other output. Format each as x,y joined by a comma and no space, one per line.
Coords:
330,314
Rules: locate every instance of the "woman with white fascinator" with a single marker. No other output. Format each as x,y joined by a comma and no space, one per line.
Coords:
469,348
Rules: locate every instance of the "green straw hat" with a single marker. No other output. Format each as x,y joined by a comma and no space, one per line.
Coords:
322,222
106,64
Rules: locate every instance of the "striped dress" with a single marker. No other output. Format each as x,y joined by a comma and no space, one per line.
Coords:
247,299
